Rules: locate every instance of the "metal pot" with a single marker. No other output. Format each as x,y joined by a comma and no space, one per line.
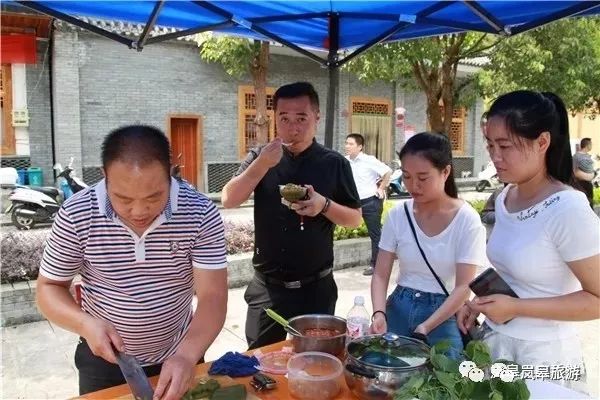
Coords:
378,365
334,345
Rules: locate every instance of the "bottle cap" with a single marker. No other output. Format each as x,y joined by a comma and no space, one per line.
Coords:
359,301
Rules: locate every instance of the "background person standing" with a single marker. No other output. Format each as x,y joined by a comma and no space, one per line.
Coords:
583,169
372,178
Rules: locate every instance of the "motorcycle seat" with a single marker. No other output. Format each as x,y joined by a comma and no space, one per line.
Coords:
47,190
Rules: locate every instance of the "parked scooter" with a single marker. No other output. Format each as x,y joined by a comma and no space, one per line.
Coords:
488,178
36,204
396,185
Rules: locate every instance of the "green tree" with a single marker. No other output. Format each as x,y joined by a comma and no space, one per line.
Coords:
240,57
429,64
562,57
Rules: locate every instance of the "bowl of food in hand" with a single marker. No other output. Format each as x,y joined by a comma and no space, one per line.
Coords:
314,376
319,332
292,192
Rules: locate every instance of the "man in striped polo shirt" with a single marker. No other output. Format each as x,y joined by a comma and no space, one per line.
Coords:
143,244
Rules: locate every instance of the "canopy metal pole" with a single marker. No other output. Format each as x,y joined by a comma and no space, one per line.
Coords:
334,77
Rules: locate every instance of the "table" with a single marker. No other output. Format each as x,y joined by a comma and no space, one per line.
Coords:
538,389
279,393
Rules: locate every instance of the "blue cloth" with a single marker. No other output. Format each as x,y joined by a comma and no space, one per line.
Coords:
405,310
234,365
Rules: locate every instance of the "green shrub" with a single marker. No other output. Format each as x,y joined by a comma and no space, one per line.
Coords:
597,196
478,205
21,254
341,233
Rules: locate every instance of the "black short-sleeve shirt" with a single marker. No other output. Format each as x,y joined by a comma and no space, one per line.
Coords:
281,249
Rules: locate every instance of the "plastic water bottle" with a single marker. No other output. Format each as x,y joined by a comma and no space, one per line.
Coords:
358,319
64,186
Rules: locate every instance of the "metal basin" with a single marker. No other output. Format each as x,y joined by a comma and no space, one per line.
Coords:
334,345
378,365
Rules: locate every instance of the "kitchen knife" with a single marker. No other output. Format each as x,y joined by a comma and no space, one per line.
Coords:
135,376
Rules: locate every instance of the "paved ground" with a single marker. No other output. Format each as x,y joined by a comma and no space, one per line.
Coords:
37,358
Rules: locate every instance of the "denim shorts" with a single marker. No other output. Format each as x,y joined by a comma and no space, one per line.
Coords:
406,308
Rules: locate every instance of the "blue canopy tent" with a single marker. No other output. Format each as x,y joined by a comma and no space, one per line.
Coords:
344,29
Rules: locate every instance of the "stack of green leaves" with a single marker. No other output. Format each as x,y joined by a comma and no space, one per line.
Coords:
203,390
444,381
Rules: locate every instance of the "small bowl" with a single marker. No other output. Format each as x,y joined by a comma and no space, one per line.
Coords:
295,196
333,344
314,376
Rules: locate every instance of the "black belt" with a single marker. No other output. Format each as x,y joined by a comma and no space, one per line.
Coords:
294,284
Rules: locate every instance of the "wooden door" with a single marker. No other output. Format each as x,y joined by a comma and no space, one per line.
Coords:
186,141
7,132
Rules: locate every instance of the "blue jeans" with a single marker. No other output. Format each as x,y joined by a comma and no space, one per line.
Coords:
406,308
372,209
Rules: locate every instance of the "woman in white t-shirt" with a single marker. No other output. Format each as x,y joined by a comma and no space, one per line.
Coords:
545,243
452,237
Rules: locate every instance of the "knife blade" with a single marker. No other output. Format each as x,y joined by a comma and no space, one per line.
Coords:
135,376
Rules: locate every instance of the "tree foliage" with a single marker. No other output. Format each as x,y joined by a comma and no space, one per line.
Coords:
562,57
239,57
431,65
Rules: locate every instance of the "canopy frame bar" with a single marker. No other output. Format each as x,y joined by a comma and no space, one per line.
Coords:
149,25
395,29
457,25
188,32
289,17
77,22
567,12
486,17
249,25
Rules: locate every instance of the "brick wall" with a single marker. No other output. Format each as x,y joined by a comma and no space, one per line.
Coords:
65,93
38,103
101,85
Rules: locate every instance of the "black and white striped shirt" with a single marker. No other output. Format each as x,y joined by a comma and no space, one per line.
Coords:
142,285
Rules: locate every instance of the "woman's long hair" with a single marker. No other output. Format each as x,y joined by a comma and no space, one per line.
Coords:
527,115
436,148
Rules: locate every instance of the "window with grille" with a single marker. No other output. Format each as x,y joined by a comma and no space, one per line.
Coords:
457,130
247,131
359,107
371,117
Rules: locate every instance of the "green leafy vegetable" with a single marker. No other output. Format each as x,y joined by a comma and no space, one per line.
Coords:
445,382
203,390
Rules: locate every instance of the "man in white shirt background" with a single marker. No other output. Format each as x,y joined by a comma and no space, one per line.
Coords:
371,177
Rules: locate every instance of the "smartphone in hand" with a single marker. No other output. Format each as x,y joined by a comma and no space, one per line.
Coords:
490,282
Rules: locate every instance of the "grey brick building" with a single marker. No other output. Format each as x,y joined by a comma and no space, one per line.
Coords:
88,85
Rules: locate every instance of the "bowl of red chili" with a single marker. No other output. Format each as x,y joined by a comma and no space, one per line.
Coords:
320,332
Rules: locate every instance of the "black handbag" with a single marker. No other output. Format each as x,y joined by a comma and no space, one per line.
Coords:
473,333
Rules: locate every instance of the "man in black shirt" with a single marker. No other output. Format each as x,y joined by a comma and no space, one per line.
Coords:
293,247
